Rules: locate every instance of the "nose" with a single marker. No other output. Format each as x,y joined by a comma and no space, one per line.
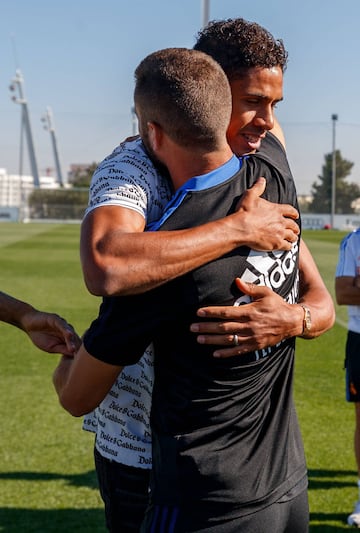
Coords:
265,118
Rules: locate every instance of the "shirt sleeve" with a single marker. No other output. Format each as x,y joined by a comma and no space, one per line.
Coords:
126,178
126,325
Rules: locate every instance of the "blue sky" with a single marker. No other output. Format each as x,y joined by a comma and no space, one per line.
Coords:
78,57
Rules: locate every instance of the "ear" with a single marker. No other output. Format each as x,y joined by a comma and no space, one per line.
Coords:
155,136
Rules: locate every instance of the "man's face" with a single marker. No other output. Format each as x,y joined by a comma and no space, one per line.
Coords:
254,98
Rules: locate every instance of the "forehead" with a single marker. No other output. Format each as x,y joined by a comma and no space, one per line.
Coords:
262,82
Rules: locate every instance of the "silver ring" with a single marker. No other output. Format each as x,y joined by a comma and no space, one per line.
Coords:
236,340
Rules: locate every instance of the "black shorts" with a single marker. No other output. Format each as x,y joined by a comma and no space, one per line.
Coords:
352,367
124,490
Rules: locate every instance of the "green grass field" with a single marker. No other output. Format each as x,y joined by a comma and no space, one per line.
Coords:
47,476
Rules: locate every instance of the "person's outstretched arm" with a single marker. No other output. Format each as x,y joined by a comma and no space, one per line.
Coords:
48,331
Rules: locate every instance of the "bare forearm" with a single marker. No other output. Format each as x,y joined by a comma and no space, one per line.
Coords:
13,310
132,263
352,298
322,312
118,258
83,382
61,374
347,290
315,295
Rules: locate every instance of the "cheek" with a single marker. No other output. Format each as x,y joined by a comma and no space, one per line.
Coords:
231,134
236,125
240,118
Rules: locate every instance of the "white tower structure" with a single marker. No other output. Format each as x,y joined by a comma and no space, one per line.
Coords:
18,83
48,122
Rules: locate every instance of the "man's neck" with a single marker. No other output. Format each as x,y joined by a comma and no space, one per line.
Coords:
184,164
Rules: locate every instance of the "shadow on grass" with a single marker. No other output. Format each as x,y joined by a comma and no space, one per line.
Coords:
15,520
80,520
330,529
92,520
85,479
331,479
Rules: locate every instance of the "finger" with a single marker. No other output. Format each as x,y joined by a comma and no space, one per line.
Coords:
72,346
216,311
289,211
259,186
291,237
293,228
228,352
245,347
286,246
63,350
292,225
252,290
218,340
217,327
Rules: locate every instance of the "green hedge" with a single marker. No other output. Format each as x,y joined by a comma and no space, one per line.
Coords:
58,204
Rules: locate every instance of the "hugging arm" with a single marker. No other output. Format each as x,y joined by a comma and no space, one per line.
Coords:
119,258
268,319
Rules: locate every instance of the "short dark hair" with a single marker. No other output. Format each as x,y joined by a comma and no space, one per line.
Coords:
187,93
238,45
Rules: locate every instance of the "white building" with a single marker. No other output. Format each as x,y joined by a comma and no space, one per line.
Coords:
14,193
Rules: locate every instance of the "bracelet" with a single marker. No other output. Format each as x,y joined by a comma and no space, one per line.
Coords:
306,320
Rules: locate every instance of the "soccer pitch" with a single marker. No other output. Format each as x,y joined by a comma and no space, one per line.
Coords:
47,476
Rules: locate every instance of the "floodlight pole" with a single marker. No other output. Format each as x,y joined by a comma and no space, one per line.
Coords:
47,120
205,12
333,173
18,82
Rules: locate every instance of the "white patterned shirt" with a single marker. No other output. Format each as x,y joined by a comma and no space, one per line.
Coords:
127,178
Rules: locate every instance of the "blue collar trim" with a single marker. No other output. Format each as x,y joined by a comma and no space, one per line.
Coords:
199,183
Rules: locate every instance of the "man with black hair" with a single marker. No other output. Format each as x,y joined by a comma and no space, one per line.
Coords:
128,191
216,422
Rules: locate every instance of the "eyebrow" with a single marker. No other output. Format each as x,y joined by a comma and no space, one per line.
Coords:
262,97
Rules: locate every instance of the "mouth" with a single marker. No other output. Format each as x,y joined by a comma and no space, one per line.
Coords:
254,138
246,142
